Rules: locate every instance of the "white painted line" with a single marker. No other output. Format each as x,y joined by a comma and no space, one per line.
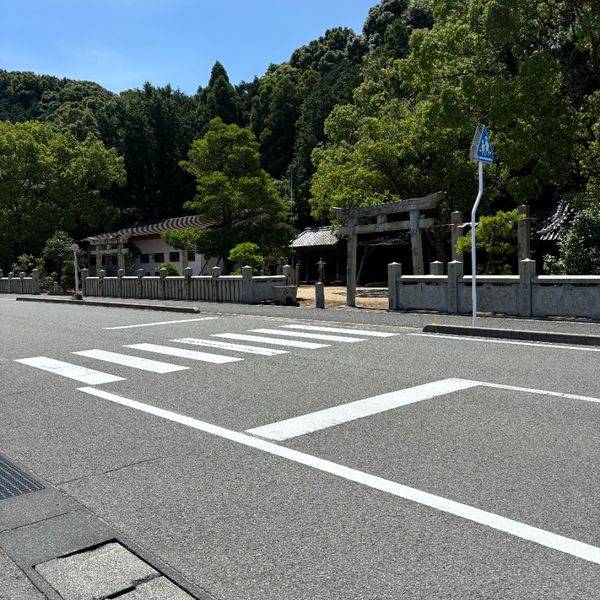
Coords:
273,341
309,336
515,388
216,359
363,332
514,343
162,323
322,419
464,511
134,362
82,374
228,346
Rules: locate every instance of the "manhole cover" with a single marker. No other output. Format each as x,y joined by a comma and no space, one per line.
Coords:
13,482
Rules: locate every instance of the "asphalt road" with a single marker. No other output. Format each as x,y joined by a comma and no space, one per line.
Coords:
478,480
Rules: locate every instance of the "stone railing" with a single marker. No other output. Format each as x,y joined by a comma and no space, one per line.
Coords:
17,283
524,295
244,288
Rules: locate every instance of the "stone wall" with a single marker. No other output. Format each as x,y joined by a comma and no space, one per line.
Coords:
524,295
244,288
17,283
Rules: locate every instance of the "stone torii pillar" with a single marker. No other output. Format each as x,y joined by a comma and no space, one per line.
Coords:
351,263
416,244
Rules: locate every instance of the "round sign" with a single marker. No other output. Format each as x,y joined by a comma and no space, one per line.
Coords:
74,247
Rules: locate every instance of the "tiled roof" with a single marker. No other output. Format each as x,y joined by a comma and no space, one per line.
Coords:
315,236
554,227
190,221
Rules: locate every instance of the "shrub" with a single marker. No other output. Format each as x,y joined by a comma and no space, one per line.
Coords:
247,254
172,270
580,248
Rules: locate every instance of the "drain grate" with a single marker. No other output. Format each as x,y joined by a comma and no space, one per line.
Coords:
13,482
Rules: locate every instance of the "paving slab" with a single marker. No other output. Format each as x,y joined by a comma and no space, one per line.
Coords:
157,589
97,573
14,584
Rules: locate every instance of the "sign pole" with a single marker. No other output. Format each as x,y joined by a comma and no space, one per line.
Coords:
481,152
474,246
75,248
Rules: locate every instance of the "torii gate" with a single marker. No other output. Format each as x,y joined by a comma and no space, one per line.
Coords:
416,222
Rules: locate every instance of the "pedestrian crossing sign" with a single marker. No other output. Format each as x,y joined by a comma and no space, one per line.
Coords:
481,148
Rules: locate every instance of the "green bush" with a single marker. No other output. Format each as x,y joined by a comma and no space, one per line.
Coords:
172,270
580,248
497,235
247,254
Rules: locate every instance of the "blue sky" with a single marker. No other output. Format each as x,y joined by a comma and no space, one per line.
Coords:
120,44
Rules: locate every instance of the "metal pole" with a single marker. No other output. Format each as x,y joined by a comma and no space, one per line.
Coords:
75,267
474,247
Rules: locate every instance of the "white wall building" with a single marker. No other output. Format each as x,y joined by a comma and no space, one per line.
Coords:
141,247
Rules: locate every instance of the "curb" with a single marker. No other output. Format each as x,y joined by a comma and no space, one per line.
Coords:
516,334
158,307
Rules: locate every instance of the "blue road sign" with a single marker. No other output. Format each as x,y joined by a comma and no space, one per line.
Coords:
485,152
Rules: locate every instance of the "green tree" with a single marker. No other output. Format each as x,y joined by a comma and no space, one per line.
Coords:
152,129
50,181
247,254
219,99
580,247
497,237
57,250
234,193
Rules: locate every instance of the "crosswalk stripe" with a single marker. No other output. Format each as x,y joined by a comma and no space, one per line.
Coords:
310,336
363,332
65,369
234,347
274,341
134,362
217,359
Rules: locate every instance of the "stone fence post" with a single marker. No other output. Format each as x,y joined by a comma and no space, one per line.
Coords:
162,292
140,276
187,273
455,274
101,276
84,275
287,272
214,284
35,281
320,294
21,282
394,275
120,274
526,275
247,285
436,268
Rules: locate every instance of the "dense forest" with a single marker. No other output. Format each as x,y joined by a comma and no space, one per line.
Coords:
351,118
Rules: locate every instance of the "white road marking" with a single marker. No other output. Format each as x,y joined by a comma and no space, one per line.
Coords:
134,362
515,388
162,323
310,336
322,419
217,359
363,332
65,369
515,528
273,341
493,341
228,346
